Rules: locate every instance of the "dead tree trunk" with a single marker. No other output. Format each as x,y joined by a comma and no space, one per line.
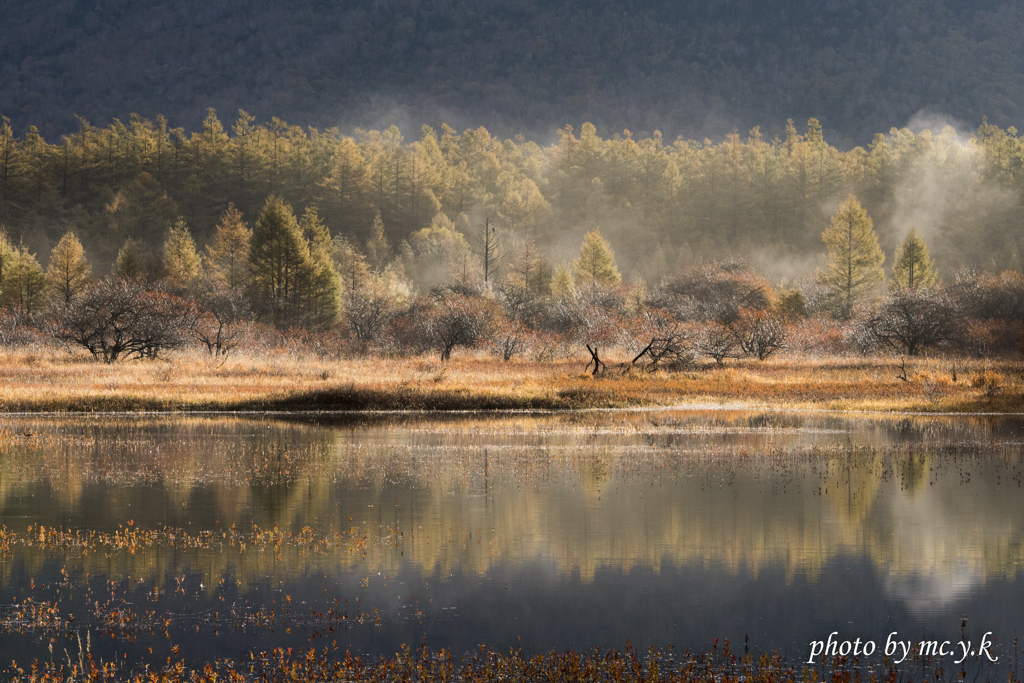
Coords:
598,363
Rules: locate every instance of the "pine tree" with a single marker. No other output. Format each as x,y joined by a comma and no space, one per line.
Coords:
182,263
596,262
129,263
280,262
854,263
69,272
227,256
913,267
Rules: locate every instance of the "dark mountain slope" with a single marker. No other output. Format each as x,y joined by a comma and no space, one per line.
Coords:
690,68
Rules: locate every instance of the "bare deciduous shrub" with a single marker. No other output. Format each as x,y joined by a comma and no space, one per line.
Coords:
759,333
509,339
713,291
987,296
986,337
654,339
592,314
369,308
520,302
16,329
910,320
817,336
125,317
458,320
223,319
717,341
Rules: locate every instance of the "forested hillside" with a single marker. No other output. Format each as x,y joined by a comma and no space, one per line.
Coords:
662,204
691,68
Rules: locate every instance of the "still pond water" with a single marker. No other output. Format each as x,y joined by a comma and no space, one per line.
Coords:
226,535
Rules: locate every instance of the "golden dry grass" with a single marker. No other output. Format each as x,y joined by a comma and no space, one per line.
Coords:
55,380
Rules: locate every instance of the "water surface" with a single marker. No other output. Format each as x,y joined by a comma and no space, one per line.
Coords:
526,531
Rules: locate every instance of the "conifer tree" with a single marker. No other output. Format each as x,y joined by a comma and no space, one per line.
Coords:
280,262
350,264
562,284
913,267
533,267
854,263
129,264
6,254
24,283
182,263
69,272
596,262
227,257
323,295
378,249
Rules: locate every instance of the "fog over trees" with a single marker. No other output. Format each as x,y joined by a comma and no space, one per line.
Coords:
462,239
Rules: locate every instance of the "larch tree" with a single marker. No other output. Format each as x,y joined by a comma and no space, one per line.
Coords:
350,264
596,262
129,264
378,248
24,283
913,267
280,262
182,263
69,271
227,257
323,293
853,266
7,253
562,284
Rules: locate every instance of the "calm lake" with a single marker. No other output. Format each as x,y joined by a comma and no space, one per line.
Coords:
225,535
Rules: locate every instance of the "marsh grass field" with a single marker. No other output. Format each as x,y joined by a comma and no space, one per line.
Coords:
53,380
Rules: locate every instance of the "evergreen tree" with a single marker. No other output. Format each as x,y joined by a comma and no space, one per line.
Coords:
280,262
129,264
182,263
227,257
69,272
854,262
596,262
913,267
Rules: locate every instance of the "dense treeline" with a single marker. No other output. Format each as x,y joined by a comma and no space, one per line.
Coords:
662,204
691,68
370,243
